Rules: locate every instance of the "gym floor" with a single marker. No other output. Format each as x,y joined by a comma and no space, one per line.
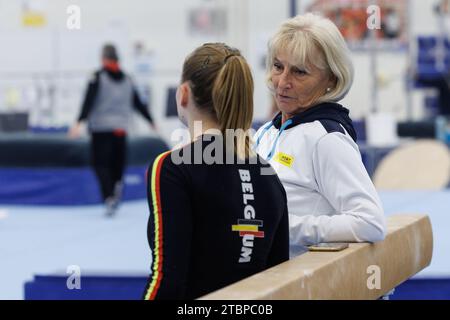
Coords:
46,240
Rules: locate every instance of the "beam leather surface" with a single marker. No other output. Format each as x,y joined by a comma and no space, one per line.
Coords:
348,274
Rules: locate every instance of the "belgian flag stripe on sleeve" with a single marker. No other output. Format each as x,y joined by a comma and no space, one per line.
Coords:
157,253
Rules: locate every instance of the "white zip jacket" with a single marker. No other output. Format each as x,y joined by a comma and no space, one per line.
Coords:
331,198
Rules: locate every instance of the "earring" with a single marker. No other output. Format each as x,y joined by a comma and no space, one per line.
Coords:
328,89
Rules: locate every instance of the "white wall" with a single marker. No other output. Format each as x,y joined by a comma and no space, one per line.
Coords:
162,26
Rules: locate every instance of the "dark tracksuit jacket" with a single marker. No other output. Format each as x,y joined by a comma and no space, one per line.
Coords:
211,225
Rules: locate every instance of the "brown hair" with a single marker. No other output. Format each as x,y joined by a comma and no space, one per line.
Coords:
222,85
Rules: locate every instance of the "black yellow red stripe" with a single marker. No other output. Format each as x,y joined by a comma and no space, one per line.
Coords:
157,253
256,234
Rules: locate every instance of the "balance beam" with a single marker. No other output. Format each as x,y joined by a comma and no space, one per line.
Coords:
348,274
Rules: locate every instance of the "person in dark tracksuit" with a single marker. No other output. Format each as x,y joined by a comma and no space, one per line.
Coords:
110,100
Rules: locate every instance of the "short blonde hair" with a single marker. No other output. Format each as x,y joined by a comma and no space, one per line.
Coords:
312,39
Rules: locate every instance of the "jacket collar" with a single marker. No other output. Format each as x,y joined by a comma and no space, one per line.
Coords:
324,111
